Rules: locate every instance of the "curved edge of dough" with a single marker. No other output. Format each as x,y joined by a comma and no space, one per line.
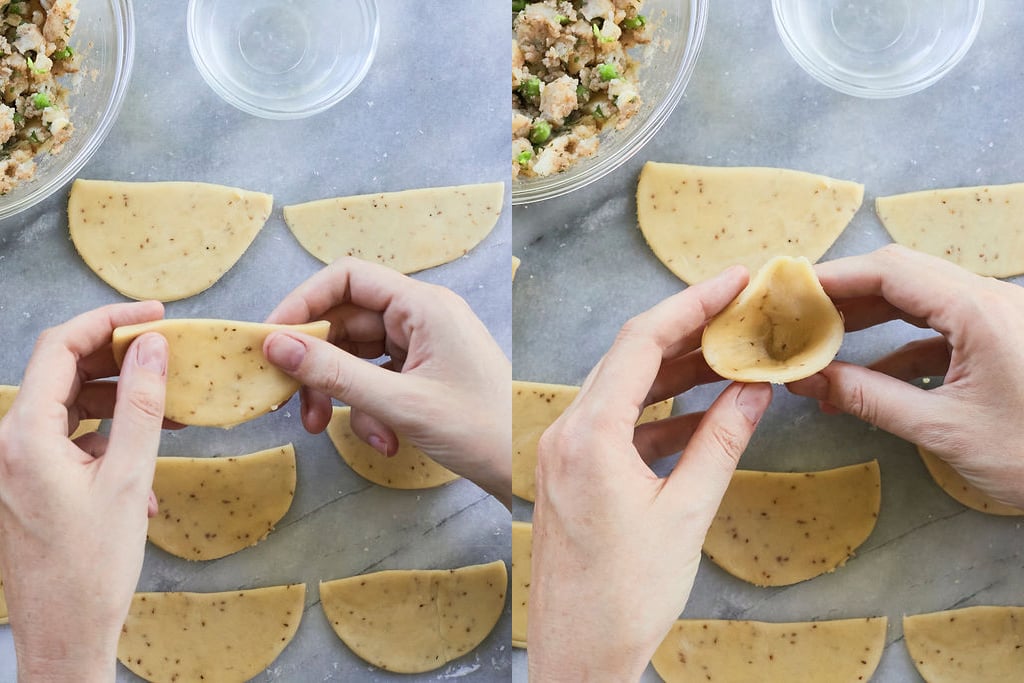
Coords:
962,491
962,645
279,460
522,553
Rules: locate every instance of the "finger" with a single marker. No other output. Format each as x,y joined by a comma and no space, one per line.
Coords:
867,311
96,401
375,433
52,375
348,280
919,285
353,323
681,374
322,366
709,459
662,438
921,358
316,409
152,507
139,412
622,379
876,398
92,444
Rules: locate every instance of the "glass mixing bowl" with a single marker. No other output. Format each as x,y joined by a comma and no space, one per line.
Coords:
105,37
666,65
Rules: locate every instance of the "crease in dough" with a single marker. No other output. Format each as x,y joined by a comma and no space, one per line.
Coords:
782,327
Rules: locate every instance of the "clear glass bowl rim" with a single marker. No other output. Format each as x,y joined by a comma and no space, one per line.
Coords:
125,49
564,183
210,76
858,90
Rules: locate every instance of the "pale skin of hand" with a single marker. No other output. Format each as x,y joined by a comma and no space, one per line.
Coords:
445,388
615,548
73,515
972,421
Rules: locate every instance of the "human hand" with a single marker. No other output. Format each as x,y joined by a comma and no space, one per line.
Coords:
973,420
73,514
446,387
615,548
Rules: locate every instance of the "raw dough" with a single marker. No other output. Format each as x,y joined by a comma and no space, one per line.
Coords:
409,468
212,507
699,219
7,394
415,621
844,651
781,328
217,375
967,645
958,488
522,556
776,528
163,241
211,637
978,228
534,407
515,266
408,231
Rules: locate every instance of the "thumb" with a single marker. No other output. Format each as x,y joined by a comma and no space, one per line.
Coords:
886,402
139,410
323,366
705,469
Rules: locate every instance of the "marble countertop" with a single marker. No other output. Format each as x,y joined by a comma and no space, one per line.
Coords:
586,269
419,119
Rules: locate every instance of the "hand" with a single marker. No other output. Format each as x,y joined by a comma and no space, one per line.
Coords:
972,421
445,387
615,548
73,515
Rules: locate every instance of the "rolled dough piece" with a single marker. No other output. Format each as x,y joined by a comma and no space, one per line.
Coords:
7,394
781,328
700,219
978,228
212,507
409,468
409,231
780,528
534,407
419,620
3,602
846,650
959,489
217,375
967,645
212,637
522,556
515,266
166,240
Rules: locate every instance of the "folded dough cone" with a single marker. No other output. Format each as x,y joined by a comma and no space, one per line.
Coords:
782,327
409,230
211,637
416,620
978,228
217,375
968,645
745,651
213,507
166,240
698,220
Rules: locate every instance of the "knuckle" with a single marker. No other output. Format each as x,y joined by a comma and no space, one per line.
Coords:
146,402
855,401
729,445
336,381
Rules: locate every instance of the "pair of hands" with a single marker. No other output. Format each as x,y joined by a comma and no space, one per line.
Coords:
616,550
73,514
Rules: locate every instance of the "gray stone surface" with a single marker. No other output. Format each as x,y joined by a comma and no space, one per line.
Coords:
432,111
586,270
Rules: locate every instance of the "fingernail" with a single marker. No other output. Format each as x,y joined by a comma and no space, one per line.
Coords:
752,401
286,352
377,444
151,353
